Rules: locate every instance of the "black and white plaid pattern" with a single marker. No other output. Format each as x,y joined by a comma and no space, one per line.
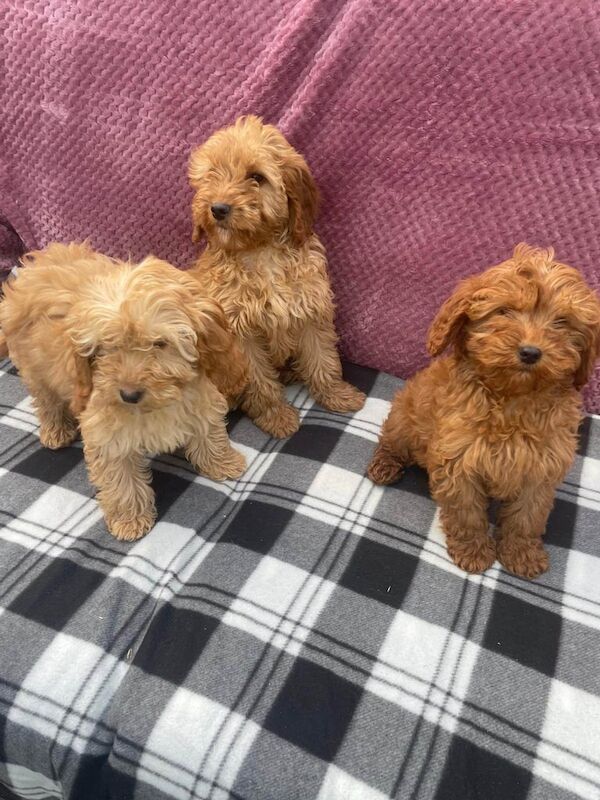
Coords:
299,634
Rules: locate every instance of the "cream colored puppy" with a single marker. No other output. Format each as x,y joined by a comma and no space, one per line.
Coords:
133,356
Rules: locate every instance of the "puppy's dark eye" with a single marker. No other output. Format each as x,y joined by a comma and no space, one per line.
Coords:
503,312
560,322
256,176
160,344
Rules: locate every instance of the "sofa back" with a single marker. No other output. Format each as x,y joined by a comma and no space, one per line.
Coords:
440,134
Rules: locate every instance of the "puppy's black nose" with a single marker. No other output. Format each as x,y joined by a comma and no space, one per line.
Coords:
529,354
220,210
131,397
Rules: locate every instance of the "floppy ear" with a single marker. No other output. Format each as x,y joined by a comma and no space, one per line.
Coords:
302,194
451,317
197,229
218,351
83,385
589,355
195,173
82,347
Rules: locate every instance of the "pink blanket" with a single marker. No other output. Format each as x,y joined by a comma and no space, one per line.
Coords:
440,133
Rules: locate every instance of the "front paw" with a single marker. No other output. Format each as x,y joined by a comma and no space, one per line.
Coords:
525,558
343,397
473,555
384,468
56,437
127,528
279,421
231,466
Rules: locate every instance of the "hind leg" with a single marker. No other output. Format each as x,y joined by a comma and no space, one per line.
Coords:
393,451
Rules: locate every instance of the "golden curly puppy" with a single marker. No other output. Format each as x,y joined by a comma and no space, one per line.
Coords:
256,202
498,418
136,357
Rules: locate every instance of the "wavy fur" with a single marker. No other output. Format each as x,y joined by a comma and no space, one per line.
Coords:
483,424
267,269
81,328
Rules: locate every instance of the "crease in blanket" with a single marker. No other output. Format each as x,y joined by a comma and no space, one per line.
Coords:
31,785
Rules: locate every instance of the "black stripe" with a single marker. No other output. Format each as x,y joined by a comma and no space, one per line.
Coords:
57,593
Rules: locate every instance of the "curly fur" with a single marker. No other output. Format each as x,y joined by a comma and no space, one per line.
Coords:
268,269
81,328
484,424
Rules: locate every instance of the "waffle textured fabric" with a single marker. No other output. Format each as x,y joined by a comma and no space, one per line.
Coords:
298,634
440,134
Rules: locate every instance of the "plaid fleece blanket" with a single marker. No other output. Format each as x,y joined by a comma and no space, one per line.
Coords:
299,634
